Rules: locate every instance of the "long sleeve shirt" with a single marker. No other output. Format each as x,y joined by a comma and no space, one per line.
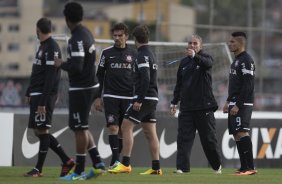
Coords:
241,80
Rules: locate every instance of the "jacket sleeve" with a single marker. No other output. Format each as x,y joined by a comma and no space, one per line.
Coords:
143,65
75,62
247,69
101,73
203,59
176,92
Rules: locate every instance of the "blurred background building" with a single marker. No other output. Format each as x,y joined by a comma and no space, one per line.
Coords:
169,20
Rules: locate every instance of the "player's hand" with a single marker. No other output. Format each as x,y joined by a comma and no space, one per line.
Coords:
137,106
234,110
190,53
225,107
41,110
58,62
27,100
173,109
98,104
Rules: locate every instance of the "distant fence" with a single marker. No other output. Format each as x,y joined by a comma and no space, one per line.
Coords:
12,95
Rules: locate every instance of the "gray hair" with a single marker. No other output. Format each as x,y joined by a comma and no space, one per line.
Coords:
198,37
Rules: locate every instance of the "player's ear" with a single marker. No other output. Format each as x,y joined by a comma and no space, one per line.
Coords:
201,45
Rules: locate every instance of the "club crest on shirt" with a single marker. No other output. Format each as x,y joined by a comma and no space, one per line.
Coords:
128,58
111,118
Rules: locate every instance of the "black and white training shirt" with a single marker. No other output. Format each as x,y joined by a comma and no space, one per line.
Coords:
241,80
115,72
45,77
80,63
146,75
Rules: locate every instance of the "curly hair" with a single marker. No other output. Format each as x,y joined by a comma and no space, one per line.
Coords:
73,12
120,26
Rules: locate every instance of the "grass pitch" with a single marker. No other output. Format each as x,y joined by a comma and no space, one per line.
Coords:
14,175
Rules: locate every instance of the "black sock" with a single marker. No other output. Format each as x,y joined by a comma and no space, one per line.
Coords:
120,144
126,161
242,157
57,148
155,164
43,149
114,144
95,156
80,164
247,148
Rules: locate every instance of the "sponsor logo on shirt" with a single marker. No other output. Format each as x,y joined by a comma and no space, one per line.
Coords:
121,65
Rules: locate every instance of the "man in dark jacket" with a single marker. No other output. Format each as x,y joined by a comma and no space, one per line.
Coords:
197,105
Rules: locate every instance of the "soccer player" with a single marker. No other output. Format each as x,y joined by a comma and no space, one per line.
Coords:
83,90
142,111
115,75
239,104
42,95
197,105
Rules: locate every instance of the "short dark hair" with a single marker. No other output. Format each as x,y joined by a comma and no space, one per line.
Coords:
239,33
73,12
141,33
120,26
44,25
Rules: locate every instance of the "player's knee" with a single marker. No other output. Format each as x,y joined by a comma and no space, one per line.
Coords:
127,125
38,132
113,129
239,135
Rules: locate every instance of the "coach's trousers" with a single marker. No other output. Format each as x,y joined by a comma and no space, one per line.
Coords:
188,123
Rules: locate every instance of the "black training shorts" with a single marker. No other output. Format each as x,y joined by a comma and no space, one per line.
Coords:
146,113
241,121
37,121
115,109
80,102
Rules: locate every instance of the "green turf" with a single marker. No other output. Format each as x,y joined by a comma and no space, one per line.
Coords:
13,175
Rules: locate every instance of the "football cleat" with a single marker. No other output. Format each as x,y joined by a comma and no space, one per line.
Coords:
219,170
152,172
240,170
93,173
245,173
99,169
120,168
114,165
101,166
178,171
67,167
33,173
73,177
